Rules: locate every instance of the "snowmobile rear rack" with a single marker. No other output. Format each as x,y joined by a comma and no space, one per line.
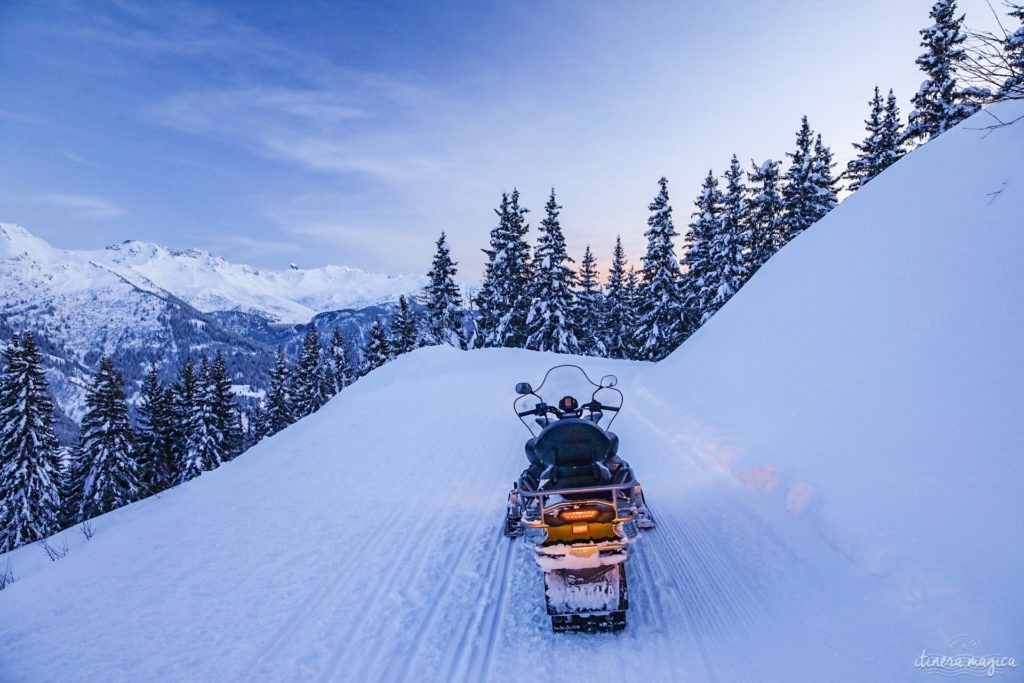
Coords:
581,489
611,490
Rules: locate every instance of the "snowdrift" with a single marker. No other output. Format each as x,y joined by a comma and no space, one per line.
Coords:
870,376
832,461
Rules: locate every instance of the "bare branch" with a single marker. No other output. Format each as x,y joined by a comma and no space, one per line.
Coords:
54,553
7,577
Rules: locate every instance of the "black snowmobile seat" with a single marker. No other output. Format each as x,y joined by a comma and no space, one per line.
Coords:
572,441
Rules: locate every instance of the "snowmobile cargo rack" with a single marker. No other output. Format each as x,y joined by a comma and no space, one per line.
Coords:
537,516
582,489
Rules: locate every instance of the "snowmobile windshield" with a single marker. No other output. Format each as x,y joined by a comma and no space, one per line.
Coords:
554,391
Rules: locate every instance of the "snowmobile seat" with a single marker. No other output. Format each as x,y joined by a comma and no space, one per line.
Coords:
574,476
571,442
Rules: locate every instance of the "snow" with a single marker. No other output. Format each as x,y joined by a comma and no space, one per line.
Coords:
210,283
833,462
207,282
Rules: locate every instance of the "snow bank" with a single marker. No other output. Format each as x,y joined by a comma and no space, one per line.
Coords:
870,379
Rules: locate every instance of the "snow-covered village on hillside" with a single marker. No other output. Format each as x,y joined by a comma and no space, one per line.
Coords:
416,342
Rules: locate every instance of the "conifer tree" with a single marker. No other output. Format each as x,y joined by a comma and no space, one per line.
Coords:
659,326
700,259
882,147
590,318
405,329
822,181
503,299
104,473
184,395
618,314
30,466
376,352
633,297
1013,87
203,451
940,104
226,424
799,192
154,437
728,269
279,412
551,323
890,140
340,367
765,216
309,390
255,427
443,300
867,164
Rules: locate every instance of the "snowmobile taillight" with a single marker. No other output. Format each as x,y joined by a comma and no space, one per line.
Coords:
578,515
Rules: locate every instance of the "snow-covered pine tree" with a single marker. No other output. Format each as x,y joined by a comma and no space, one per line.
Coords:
340,366
1013,87
552,324
799,193
618,316
823,181
30,464
503,300
255,426
765,214
309,390
405,329
278,410
104,474
227,424
183,398
659,327
203,443
890,138
443,300
153,446
633,297
728,269
699,260
940,104
590,316
866,165
376,352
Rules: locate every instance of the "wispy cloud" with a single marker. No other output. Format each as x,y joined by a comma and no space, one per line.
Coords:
84,206
259,247
378,127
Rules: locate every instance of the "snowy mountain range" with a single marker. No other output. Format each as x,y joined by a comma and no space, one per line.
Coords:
212,284
145,304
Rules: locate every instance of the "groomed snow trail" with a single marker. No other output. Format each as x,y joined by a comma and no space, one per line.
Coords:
365,543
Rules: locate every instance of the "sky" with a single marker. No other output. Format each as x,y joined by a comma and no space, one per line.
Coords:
322,132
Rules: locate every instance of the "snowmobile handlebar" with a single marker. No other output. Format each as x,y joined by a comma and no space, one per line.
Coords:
542,409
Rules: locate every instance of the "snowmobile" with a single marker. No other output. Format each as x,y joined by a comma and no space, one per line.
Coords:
578,504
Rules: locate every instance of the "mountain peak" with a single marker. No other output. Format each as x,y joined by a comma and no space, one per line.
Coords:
211,283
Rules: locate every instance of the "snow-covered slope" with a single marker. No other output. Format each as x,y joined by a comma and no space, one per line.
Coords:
211,283
832,461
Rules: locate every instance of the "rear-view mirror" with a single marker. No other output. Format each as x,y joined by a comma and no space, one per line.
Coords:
524,388
609,381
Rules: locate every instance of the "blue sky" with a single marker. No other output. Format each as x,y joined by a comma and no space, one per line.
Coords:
353,133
